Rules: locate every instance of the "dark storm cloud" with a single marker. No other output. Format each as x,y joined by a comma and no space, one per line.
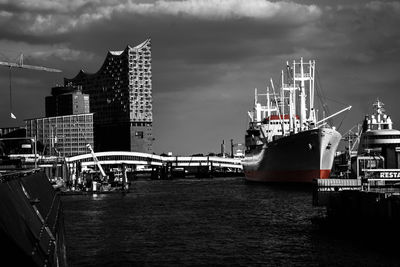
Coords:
365,42
189,52
182,39
209,55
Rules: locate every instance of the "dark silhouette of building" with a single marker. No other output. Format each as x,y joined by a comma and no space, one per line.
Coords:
66,101
12,132
121,99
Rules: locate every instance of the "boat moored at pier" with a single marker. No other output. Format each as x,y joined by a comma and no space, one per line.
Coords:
282,146
370,196
378,154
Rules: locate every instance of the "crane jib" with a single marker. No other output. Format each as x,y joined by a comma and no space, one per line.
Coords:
21,65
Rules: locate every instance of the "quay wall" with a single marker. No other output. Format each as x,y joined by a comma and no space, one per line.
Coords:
364,207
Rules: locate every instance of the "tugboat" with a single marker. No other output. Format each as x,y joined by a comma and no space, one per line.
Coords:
286,147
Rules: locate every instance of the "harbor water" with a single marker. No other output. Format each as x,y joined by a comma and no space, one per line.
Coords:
208,222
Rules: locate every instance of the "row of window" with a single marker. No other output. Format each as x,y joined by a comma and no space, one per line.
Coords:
141,124
70,125
138,53
278,122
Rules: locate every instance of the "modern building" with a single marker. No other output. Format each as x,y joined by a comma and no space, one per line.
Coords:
66,101
121,99
62,135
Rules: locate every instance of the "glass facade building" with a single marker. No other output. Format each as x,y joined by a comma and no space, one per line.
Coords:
120,95
66,135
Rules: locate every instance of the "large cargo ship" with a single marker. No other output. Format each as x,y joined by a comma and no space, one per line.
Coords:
282,146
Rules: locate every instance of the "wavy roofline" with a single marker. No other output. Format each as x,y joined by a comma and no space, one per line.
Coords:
110,53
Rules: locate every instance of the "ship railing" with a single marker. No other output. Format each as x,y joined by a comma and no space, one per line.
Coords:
385,190
324,189
337,184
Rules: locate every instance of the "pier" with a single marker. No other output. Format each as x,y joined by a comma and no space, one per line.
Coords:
368,202
369,197
119,168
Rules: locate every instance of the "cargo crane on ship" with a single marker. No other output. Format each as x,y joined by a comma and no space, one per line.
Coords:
20,64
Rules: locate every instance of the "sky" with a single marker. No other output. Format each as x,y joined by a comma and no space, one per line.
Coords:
207,57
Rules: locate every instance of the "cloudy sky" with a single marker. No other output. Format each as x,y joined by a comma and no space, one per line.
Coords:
208,56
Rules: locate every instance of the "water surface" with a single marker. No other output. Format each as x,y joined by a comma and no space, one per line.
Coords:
203,222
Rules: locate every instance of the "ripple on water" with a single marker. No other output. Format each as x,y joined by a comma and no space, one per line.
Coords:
205,222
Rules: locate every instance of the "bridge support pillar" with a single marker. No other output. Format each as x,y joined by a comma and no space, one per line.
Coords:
166,171
156,172
202,172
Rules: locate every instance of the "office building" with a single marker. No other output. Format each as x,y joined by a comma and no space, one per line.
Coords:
66,101
62,135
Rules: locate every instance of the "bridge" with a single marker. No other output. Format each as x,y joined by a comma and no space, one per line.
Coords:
164,165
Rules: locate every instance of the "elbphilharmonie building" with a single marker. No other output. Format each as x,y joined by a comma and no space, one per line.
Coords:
120,94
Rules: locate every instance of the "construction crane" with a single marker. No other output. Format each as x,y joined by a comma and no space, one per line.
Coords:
20,64
103,174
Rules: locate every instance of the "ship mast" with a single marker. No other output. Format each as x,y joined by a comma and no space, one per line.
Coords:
291,87
260,112
302,95
280,116
312,118
268,103
379,120
301,77
306,80
282,101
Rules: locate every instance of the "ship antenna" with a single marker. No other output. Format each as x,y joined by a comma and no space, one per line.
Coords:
255,96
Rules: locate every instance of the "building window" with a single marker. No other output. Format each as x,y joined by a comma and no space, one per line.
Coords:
139,134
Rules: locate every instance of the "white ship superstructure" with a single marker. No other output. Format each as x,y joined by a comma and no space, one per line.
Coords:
378,138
